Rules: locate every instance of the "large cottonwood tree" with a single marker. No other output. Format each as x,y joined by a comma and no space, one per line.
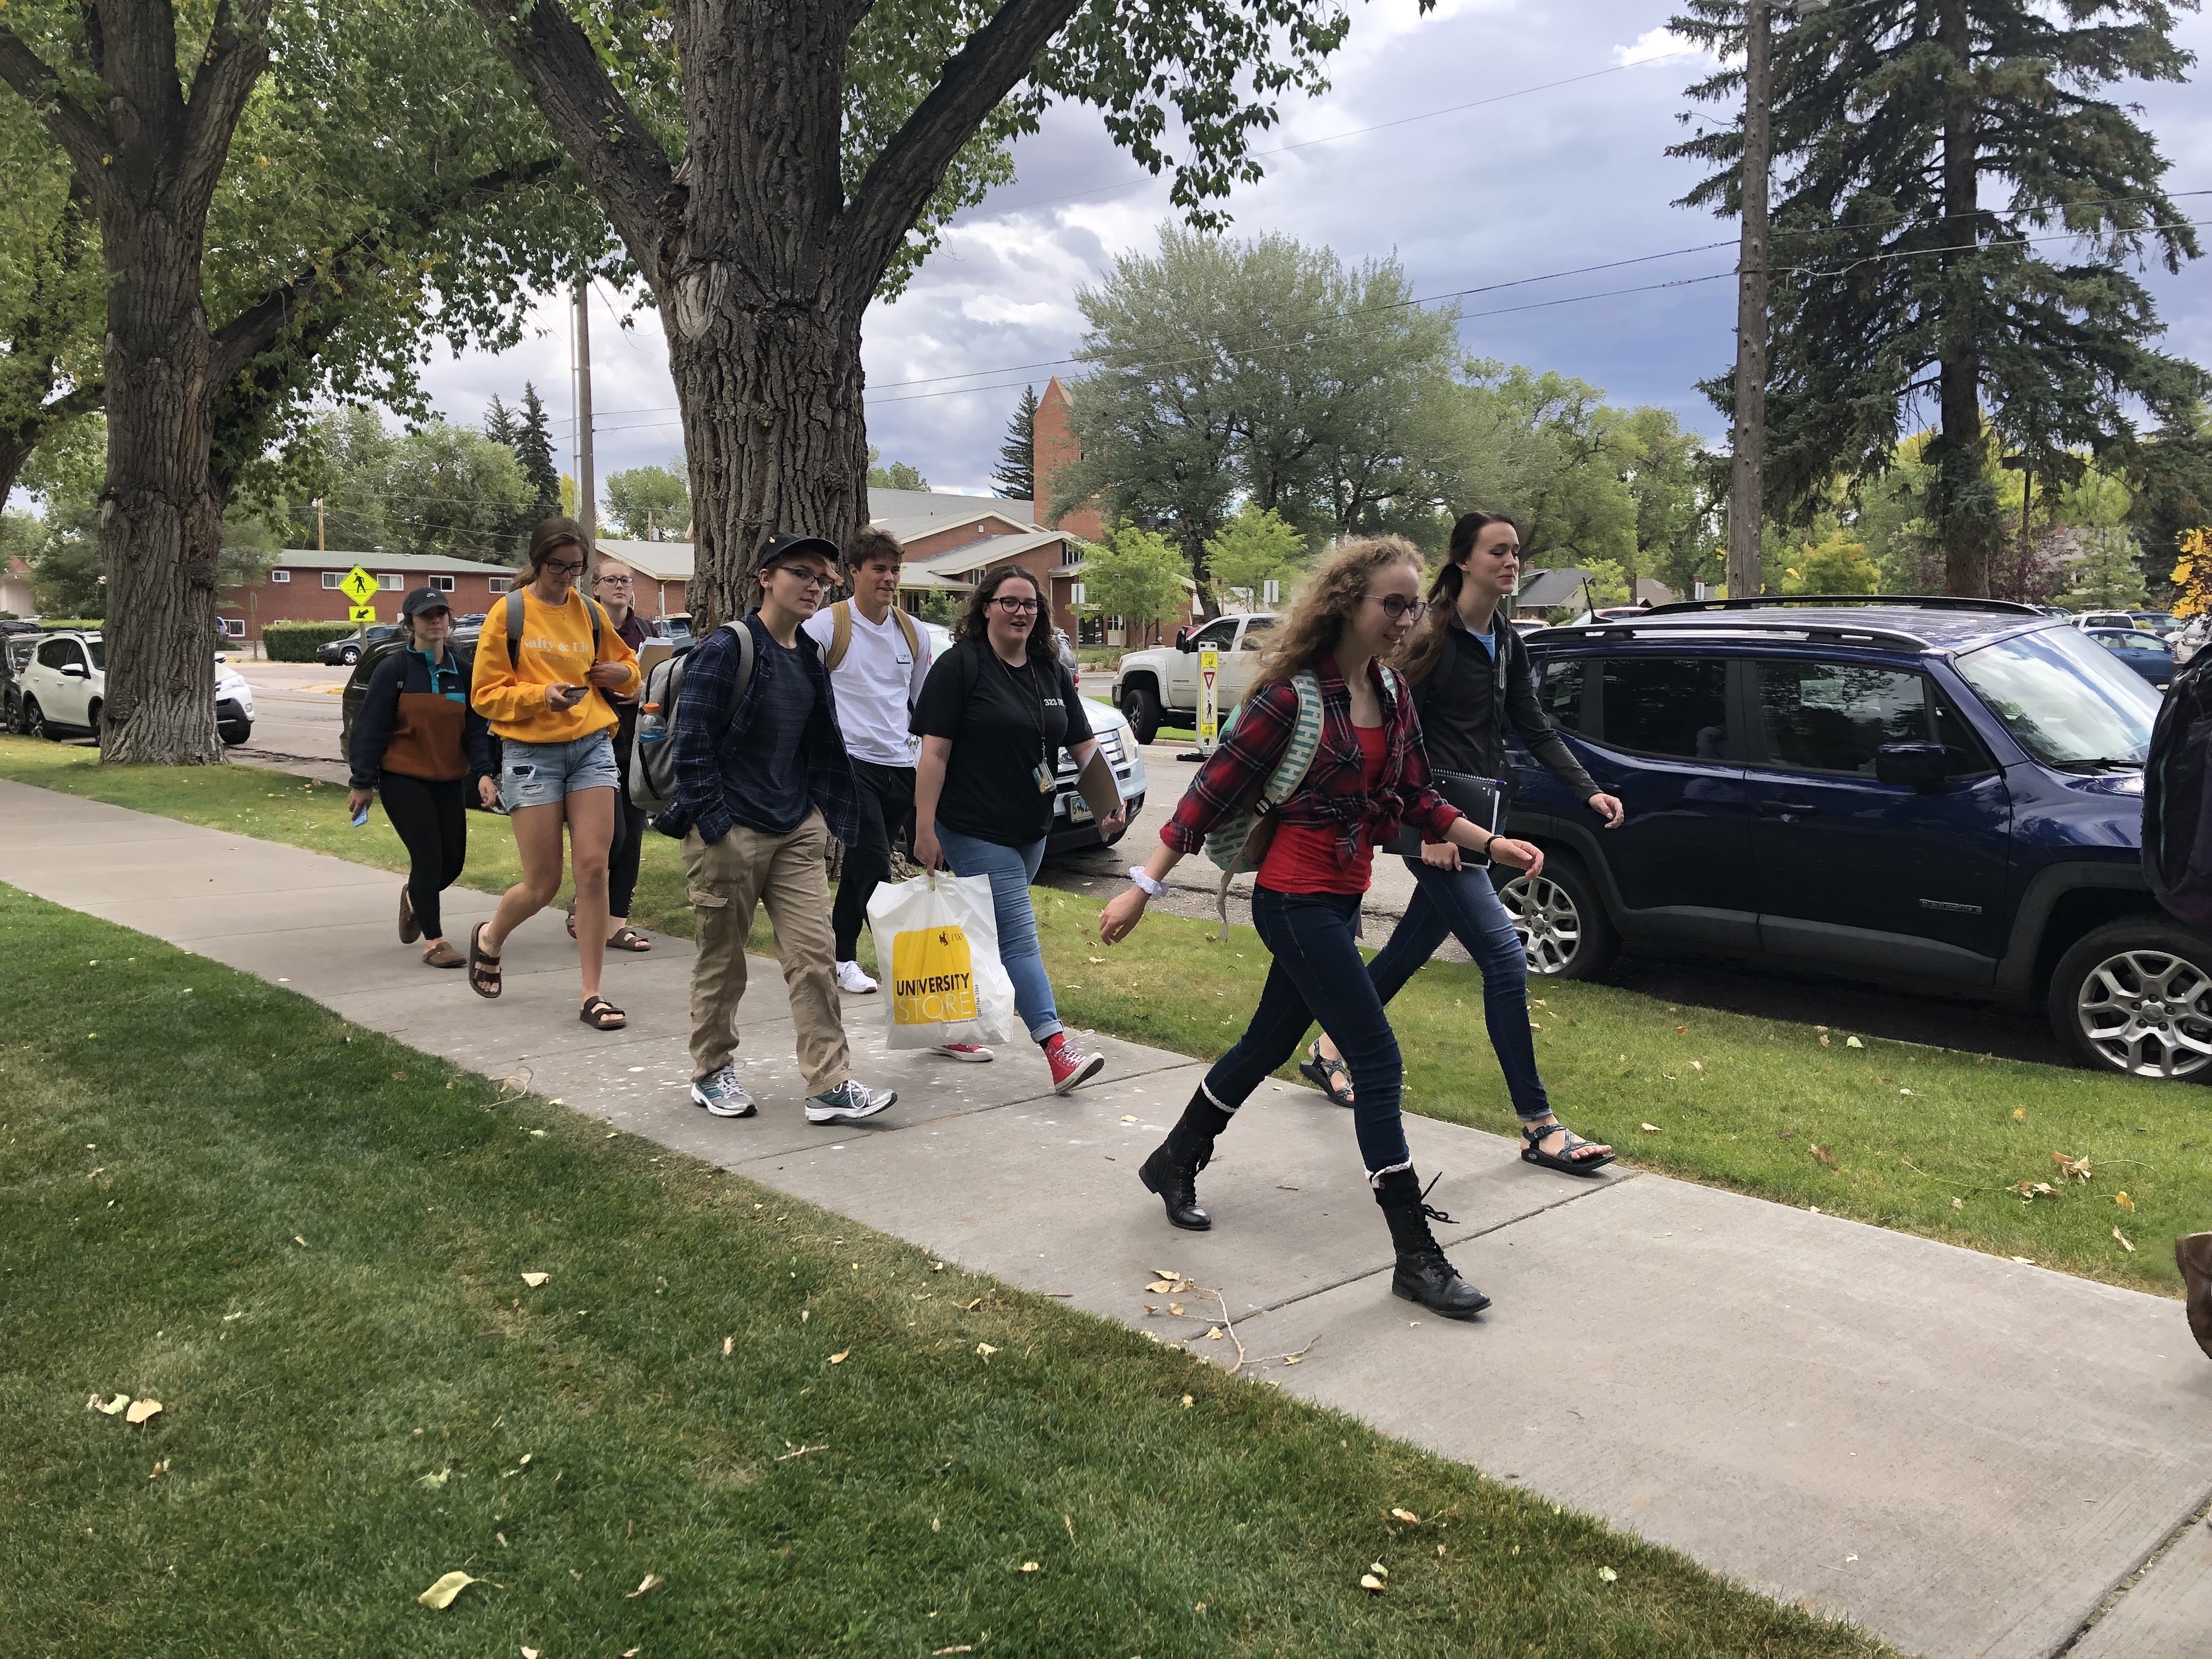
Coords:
772,168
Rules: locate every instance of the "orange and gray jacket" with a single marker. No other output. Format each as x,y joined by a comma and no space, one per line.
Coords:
416,720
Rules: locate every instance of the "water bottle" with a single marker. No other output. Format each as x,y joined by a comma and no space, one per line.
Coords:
651,728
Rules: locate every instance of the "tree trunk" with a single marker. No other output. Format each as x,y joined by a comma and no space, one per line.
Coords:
160,522
1963,502
773,427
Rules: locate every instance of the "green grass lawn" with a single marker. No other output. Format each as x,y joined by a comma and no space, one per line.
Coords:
308,1243
1927,1140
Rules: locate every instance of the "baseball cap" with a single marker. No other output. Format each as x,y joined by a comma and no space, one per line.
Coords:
783,545
425,599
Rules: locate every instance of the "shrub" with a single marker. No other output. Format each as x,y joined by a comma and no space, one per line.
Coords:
296,641
70,624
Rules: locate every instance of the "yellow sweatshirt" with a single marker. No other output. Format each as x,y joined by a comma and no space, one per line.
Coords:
557,650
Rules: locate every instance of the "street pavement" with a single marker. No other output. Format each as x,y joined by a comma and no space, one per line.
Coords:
1972,1457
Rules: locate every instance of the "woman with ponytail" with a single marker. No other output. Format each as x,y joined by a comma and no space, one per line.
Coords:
1470,674
1366,775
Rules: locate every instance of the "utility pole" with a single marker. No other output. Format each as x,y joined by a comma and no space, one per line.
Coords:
318,524
1747,477
587,499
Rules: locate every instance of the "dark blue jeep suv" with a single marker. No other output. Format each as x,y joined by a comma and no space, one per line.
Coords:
1933,794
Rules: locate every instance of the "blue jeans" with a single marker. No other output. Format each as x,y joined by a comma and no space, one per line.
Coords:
1318,973
1011,869
1463,902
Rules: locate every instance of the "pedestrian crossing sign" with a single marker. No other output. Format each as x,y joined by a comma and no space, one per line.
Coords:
358,586
361,613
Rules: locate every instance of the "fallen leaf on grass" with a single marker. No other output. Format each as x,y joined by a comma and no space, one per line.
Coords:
112,1408
1186,1403
1652,1129
2124,1245
1406,1515
840,1359
984,1351
140,1410
1368,1581
530,1653
300,1242
2078,1167
1822,1156
1678,1029
2123,1200
2020,1114
651,1580
535,1279
1607,1574
2036,1189
1824,1039
940,1653
1029,1566
1958,1203
1853,1042
434,1481
441,1593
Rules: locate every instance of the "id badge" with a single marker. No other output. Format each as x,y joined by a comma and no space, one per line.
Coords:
1043,773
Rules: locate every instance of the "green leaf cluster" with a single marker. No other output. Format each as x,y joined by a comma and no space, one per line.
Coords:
436,489
1255,546
645,502
1135,573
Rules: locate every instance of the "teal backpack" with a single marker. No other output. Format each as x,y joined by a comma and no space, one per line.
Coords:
1240,844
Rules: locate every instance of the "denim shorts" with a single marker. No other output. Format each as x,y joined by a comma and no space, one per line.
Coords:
543,774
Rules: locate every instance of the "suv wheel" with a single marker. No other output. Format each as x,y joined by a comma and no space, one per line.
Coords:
2136,996
1141,706
34,722
1563,927
350,655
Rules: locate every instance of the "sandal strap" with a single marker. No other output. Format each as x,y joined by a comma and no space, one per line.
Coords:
1332,1067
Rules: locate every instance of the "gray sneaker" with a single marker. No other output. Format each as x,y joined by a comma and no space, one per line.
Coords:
848,1102
721,1094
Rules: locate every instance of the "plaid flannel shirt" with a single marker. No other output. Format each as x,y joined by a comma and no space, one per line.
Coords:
707,729
1334,793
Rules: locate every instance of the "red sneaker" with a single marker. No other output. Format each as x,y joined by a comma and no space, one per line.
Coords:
969,1053
1071,1066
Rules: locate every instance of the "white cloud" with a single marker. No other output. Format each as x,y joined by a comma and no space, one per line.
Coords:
1653,45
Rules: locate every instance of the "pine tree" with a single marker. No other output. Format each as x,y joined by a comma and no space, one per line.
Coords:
1892,279
533,448
499,423
1016,477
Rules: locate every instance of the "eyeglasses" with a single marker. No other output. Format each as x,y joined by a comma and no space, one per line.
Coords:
810,578
614,581
1396,605
1016,607
564,566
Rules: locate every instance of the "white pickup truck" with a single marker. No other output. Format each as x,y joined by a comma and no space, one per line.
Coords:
1155,686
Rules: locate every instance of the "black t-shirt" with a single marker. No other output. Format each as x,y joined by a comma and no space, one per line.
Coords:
1003,721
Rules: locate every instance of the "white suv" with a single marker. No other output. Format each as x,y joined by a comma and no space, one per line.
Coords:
66,680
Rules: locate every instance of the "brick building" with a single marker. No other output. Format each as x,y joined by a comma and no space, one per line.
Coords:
302,585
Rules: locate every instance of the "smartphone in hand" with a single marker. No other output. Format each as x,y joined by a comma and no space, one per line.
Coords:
360,815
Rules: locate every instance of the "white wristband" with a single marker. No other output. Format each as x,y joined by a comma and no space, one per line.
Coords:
1150,888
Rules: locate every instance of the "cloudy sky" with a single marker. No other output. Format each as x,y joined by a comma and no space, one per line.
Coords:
1540,178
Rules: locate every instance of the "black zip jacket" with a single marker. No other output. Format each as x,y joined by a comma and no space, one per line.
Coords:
1465,703
407,725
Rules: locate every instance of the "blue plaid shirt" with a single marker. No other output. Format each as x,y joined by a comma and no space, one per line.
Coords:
708,730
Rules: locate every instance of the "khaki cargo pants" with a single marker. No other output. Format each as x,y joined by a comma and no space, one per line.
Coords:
786,874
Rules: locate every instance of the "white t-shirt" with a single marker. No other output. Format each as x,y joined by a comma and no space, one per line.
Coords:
875,686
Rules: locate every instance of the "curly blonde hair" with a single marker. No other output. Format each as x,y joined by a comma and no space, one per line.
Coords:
1334,589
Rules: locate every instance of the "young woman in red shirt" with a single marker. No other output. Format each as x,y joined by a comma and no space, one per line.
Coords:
1368,773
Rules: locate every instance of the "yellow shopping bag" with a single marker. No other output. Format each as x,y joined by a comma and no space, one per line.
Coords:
933,976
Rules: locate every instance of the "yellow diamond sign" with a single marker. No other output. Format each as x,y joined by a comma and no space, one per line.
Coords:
358,586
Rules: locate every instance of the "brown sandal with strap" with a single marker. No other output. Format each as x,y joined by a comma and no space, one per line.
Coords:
601,1015
483,971
627,939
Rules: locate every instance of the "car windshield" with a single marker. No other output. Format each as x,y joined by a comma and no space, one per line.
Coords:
2066,699
99,649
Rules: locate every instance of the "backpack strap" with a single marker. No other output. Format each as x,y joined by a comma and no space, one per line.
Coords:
513,630
907,627
840,633
1290,771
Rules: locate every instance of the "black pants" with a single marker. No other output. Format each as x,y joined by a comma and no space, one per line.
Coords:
629,841
886,802
432,819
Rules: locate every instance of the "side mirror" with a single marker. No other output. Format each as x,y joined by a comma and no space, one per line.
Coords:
1913,765
1183,640
74,671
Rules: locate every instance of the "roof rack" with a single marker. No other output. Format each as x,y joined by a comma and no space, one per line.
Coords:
1747,628
1906,601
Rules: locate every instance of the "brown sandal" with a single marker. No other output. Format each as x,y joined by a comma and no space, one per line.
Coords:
443,955
483,971
409,932
601,1015
572,918
629,939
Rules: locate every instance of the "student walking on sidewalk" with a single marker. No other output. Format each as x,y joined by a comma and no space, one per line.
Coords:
417,746
993,717
1470,674
762,783
541,688
613,589
877,660
1367,772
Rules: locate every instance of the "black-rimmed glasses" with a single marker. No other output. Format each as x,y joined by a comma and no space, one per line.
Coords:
1016,607
812,578
1396,605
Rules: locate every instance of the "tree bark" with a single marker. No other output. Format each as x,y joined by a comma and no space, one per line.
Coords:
1964,501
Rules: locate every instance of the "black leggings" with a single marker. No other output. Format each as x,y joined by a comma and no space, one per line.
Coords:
629,842
432,819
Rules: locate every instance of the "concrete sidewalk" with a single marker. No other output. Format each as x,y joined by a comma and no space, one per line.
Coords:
1966,1455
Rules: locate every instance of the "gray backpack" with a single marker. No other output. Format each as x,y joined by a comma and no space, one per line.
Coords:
653,756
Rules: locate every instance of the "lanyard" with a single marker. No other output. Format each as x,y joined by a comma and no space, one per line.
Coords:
1036,709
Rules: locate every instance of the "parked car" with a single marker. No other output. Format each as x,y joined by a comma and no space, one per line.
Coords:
15,652
1156,685
2088,619
2140,649
65,682
349,648
2190,639
1935,795
2164,623
17,625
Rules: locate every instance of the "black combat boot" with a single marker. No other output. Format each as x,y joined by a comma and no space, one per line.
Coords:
1172,1171
1423,1274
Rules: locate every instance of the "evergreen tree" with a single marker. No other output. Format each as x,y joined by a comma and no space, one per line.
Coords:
1893,278
1016,477
533,448
499,423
